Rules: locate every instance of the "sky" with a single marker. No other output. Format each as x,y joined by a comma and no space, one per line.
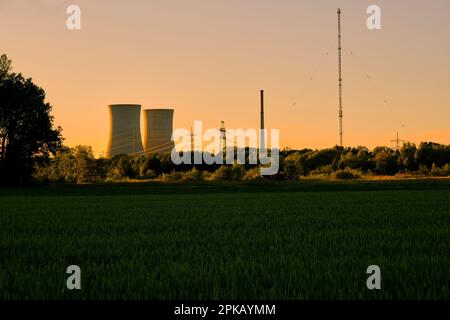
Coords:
209,59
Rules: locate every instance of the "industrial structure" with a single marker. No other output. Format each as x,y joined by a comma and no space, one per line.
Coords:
125,129
398,141
262,142
125,137
223,140
341,111
158,127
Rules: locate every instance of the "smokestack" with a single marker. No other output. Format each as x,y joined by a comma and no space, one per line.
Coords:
263,140
262,109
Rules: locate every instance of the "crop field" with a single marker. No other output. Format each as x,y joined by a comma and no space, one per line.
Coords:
304,240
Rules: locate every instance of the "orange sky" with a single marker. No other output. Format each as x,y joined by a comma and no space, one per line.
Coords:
209,59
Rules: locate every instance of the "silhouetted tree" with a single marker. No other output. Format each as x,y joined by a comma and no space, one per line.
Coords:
407,157
429,153
84,163
26,126
74,165
321,158
122,167
386,161
292,165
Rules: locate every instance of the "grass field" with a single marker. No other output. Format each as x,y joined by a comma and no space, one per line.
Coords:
305,240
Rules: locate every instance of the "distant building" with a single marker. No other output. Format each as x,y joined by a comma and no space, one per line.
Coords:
158,127
125,129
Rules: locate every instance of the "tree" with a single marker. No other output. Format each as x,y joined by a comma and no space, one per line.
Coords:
5,66
74,165
324,157
407,156
122,167
293,167
386,161
84,163
430,152
26,126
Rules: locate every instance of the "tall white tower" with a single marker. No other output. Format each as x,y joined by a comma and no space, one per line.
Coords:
125,129
158,128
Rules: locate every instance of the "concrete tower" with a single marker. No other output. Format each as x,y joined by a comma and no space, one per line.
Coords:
125,129
158,126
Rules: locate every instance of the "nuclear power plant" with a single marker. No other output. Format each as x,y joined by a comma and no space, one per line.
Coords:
158,126
125,130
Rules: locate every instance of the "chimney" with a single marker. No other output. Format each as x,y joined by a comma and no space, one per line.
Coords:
262,140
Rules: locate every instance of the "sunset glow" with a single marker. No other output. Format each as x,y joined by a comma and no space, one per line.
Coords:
208,60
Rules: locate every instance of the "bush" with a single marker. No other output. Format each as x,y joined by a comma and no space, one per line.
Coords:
252,174
347,174
446,169
223,173
193,175
440,172
227,172
149,174
42,175
293,167
174,176
423,170
323,171
178,176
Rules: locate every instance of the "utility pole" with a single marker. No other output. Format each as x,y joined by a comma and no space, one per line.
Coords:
341,112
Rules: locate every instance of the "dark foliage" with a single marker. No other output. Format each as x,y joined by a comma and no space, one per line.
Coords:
26,126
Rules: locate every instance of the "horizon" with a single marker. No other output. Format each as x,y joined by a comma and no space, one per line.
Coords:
208,61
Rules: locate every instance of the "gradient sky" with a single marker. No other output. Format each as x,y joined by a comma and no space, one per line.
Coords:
209,59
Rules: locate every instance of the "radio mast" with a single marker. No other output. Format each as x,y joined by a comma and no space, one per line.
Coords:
341,112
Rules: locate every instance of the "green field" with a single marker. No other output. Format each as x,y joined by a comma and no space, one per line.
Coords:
304,240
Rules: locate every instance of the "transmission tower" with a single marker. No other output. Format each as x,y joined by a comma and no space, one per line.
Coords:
223,137
397,142
341,112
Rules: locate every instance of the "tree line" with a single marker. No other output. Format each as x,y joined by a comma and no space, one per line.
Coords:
79,165
32,150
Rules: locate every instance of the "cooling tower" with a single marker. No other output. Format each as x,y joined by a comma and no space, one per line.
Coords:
125,129
158,129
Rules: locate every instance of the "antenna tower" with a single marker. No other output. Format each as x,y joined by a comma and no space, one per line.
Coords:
341,112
